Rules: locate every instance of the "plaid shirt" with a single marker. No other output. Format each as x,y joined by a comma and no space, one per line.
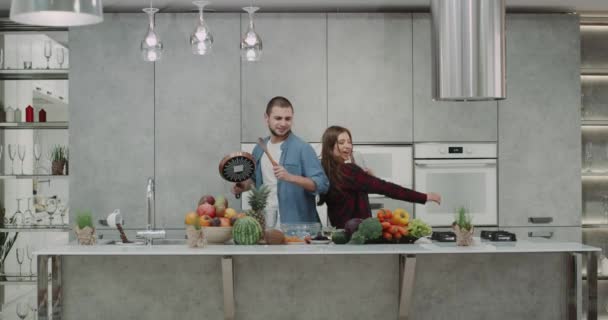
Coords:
353,202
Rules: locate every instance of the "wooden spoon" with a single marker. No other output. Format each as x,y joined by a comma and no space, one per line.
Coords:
263,146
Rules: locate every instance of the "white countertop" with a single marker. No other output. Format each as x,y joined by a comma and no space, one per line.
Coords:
523,246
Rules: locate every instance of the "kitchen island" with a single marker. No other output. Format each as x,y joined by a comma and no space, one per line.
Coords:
509,280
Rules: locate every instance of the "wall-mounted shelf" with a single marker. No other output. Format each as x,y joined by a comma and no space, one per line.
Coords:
41,228
594,71
34,74
590,123
34,125
16,279
32,176
594,226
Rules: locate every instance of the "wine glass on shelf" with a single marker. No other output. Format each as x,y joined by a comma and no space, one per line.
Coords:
51,207
18,215
23,310
33,307
48,52
62,209
12,150
21,154
29,251
29,216
37,154
20,256
60,56
589,155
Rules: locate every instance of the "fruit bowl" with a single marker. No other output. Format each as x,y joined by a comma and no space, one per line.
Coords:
217,235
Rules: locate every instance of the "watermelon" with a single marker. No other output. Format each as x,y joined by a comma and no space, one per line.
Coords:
247,231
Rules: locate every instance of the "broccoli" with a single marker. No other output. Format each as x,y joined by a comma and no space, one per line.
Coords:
357,238
371,229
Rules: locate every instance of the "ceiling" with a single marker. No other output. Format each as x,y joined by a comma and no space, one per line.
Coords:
580,6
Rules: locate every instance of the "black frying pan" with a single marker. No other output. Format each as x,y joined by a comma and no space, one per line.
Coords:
237,167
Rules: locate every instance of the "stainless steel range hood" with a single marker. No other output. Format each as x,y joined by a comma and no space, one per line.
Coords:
468,48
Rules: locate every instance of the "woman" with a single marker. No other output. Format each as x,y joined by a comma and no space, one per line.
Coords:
349,185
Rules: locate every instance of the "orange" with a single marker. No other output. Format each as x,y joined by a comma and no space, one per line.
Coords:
205,221
191,218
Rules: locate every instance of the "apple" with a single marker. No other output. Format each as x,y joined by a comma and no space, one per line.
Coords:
221,201
206,209
206,199
205,221
220,211
229,213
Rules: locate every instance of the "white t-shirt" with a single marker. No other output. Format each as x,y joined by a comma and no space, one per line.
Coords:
268,176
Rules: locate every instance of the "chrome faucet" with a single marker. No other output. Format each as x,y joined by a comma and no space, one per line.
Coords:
150,233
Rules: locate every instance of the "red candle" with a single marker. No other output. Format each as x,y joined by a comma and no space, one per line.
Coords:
29,114
42,115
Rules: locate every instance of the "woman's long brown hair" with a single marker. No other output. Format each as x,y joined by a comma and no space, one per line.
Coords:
331,163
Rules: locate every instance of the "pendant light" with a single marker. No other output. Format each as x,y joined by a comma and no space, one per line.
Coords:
56,13
151,46
201,39
251,43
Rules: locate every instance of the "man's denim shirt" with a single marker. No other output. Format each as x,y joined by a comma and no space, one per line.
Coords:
296,205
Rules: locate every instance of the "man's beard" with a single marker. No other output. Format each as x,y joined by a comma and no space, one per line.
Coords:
274,133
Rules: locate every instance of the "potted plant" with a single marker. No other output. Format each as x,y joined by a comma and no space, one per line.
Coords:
58,159
85,232
463,228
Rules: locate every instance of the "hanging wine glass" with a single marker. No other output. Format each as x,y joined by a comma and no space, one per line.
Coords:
251,43
37,154
201,39
151,46
48,52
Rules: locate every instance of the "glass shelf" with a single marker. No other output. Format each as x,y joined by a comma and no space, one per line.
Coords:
41,228
594,71
32,176
34,74
594,226
591,123
34,125
16,279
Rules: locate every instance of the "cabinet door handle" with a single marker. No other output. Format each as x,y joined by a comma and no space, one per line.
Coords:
375,206
541,234
540,219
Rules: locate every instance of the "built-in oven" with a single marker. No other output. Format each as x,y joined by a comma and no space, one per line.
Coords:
464,174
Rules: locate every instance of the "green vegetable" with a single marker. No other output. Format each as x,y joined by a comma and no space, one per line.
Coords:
84,219
371,229
357,238
247,231
418,228
339,237
463,219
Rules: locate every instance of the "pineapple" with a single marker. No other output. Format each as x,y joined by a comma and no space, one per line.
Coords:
258,201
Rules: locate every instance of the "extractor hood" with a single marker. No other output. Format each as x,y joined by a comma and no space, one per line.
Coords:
468,50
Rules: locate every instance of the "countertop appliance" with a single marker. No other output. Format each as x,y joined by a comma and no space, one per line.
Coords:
498,235
443,236
464,174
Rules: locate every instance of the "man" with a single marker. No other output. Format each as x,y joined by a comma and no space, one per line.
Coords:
297,177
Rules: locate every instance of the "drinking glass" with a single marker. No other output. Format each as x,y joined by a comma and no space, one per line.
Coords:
29,217
37,154
271,218
62,209
29,251
60,57
589,155
22,310
20,255
18,215
48,52
12,150
33,307
21,154
51,207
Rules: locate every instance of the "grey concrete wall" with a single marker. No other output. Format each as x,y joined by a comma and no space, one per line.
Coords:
467,286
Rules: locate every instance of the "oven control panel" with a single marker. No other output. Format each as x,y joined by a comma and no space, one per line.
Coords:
454,150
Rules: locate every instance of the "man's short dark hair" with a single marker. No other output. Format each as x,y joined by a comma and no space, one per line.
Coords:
278,101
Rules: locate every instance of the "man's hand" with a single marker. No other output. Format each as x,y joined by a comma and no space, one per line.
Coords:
241,187
433,197
281,173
